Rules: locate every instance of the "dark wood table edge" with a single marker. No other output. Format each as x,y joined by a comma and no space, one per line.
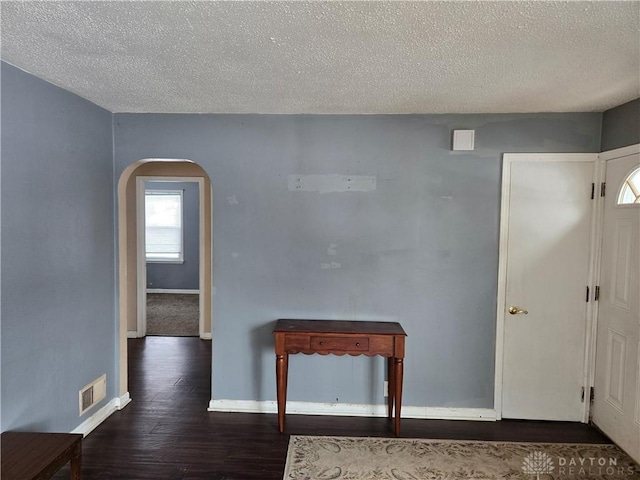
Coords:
282,326
71,454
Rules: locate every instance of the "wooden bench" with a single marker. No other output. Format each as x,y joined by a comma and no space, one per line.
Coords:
36,456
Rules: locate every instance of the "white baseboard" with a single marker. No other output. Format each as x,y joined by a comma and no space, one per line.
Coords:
352,410
86,427
90,424
123,401
172,290
134,334
450,413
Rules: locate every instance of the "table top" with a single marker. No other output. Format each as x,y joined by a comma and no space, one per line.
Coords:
338,327
41,448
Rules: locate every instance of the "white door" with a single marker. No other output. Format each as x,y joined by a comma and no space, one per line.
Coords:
616,408
546,225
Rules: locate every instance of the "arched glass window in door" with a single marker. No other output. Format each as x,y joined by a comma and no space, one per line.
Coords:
630,190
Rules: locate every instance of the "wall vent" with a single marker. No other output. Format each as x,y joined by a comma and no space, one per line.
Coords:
92,393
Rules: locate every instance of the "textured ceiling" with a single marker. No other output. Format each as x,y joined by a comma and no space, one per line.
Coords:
331,57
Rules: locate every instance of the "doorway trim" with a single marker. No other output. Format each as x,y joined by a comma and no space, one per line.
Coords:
141,257
591,312
127,253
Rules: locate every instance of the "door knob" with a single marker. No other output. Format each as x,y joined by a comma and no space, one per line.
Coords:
516,310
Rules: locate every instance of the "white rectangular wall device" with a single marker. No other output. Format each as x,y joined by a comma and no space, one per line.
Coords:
464,139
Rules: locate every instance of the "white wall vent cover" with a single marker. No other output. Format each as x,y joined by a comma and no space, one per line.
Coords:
92,393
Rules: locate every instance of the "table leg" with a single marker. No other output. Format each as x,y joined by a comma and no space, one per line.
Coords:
282,367
390,386
398,373
76,466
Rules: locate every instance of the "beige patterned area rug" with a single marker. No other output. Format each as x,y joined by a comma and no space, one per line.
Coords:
369,458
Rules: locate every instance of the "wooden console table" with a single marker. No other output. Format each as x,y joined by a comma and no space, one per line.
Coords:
341,337
38,456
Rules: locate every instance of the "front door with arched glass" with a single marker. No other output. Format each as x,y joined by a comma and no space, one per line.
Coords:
616,409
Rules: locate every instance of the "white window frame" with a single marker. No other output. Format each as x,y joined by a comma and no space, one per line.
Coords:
628,184
154,259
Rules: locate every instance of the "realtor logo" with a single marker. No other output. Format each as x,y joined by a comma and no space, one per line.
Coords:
537,463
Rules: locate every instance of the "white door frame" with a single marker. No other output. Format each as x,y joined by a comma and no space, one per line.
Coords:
140,245
508,160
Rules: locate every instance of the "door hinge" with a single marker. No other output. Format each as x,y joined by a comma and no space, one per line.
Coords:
603,187
587,299
596,294
593,191
591,396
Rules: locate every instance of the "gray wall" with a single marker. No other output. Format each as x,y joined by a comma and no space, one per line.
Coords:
621,126
182,276
57,189
421,249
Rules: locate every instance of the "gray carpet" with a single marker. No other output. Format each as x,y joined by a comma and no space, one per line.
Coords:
173,315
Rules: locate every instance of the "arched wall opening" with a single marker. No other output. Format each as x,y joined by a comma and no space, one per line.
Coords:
128,262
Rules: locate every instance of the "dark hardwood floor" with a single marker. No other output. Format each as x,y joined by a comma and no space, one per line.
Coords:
167,433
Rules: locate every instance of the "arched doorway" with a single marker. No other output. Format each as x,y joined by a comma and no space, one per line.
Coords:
129,263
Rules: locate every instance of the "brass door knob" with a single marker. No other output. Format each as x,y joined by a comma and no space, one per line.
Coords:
516,310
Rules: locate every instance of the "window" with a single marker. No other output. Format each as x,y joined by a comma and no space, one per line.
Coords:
630,191
163,225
